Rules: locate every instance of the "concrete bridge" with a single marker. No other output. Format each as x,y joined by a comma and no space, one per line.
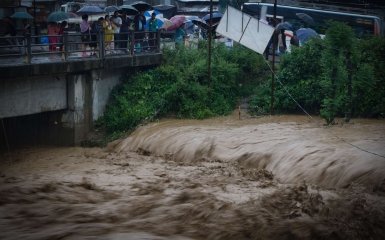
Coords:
56,101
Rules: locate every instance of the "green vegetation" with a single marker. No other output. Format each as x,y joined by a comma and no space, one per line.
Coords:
340,76
180,87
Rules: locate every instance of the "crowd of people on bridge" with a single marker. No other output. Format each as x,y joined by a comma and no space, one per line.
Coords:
116,29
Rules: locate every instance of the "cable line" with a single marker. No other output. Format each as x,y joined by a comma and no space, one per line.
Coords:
303,109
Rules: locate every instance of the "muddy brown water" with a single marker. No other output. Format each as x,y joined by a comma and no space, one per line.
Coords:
281,177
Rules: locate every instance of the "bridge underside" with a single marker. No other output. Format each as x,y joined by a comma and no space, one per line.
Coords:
57,103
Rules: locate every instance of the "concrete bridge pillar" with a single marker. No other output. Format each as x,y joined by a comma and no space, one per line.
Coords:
76,119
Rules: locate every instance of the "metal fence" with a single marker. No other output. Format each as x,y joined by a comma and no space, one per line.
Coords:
74,45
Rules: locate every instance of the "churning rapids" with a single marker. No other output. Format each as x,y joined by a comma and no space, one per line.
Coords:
281,177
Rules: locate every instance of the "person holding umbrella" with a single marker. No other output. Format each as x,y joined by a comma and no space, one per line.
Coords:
85,30
124,29
116,22
139,23
52,31
180,35
152,28
62,27
108,34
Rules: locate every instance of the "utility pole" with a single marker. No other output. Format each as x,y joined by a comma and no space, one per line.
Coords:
209,45
273,63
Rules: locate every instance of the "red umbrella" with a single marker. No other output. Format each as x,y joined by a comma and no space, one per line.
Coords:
177,21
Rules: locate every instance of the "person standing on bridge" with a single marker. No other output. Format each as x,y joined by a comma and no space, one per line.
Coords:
139,24
124,29
53,31
108,34
116,21
62,28
85,30
152,28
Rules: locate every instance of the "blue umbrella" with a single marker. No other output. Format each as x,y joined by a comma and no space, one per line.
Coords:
188,23
111,9
148,13
159,22
304,34
167,10
90,10
215,18
57,16
284,26
21,15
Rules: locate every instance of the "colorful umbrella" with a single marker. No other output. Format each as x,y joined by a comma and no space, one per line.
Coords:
166,24
177,21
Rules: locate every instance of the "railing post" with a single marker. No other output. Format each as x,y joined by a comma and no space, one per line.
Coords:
65,46
29,48
101,44
132,42
157,41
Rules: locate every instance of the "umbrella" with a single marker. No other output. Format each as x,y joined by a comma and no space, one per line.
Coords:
177,21
21,15
200,23
111,9
167,10
306,18
141,6
57,16
90,10
149,13
159,22
129,10
188,24
166,23
284,26
215,18
304,34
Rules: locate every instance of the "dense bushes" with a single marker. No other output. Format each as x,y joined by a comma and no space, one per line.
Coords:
340,76
180,86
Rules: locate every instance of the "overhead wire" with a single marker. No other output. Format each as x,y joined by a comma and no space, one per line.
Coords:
304,110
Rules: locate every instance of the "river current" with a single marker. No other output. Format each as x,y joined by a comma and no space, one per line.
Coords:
281,177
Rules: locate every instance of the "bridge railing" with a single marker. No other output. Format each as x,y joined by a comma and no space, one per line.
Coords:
73,45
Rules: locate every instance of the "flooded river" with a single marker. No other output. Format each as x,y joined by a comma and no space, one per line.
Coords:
281,177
